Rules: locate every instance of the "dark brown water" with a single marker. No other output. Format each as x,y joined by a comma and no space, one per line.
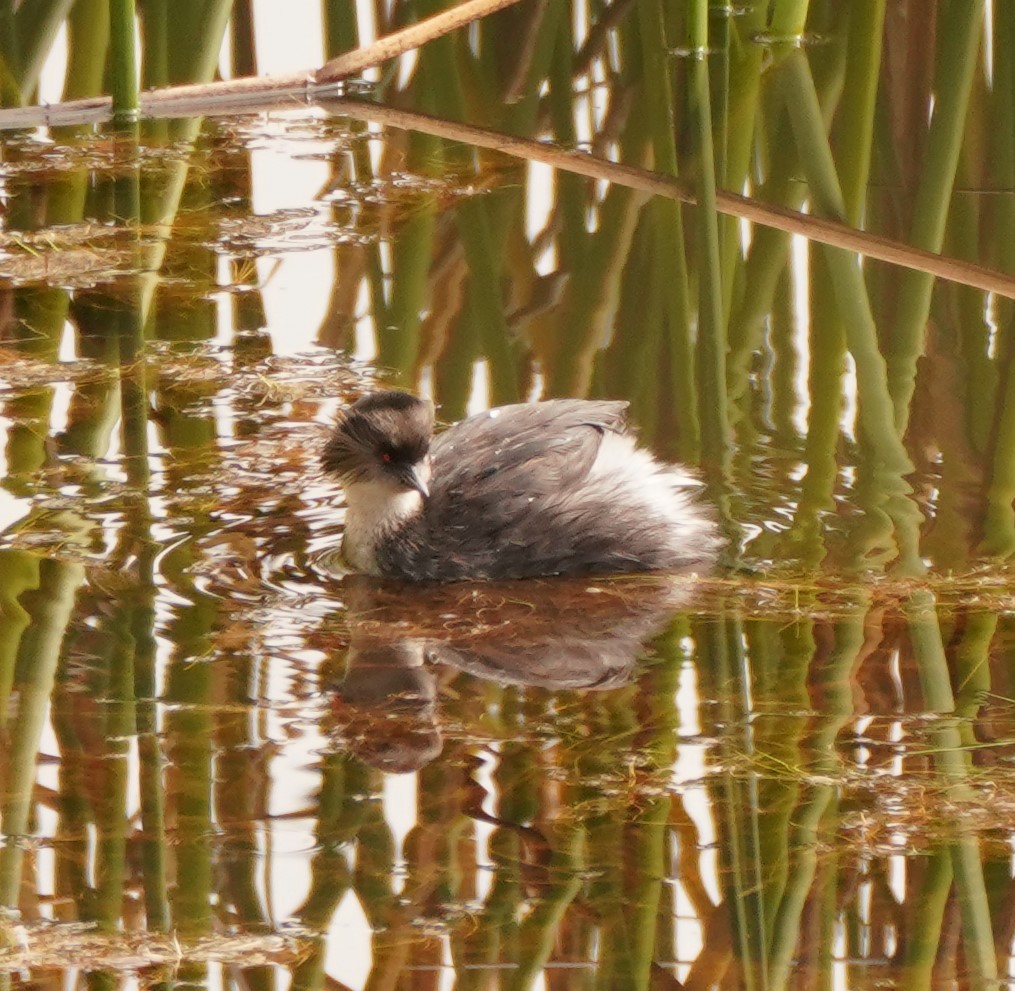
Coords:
224,764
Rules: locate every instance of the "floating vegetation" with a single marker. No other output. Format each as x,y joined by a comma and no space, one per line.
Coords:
45,945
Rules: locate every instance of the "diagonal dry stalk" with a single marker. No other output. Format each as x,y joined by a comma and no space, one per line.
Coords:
236,92
399,42
817,229
312,86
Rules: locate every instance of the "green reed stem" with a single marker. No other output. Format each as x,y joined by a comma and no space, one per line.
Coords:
960,30
155,45
831,683
855,131
725,677
87,44
658,88
711,365
242,42
1002,160
827,333
37,24
876,409
569,188
485,298
123,59
163,62
926,922
789,18
590,302
744,57
824,386
39,653
10,57
398,334
375,863
951,762
195,31
972,662
190,746
668,261
19,572
117,668
538,931
999,523
341,27
152,797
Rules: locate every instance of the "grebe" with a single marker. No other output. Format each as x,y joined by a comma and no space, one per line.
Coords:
555,487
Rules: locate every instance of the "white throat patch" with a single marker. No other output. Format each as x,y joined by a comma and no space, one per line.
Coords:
374,509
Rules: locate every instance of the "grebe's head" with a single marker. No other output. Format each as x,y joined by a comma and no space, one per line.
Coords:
383,439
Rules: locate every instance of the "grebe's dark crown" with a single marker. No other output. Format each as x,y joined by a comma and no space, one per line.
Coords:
383,432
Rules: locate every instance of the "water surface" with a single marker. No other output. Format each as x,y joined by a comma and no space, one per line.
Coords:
226,764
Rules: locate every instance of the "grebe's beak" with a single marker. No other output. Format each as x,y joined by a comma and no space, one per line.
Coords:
415,477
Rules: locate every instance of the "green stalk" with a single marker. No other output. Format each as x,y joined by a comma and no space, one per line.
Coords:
154,850
876,409
668,261
340,815
999,522
341,27
961,30
154,45
831,685
657,85
855,130
160,196
824,386
542,24
242,40
188,732
123,60
538,931
110,807
927,903
485,298
1002,160
39,652
950,760
783,367
239,788
483,250
711,365
779,661
19,572
37,24
10,56
722,672
788,20
398,335
590,302
375,863
568,187
827,334
972,663
646,839
196,29
87,44
745,60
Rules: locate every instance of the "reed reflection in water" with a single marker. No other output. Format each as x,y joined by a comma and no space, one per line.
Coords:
768,789
796,770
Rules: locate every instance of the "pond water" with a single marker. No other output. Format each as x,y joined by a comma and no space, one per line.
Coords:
225,763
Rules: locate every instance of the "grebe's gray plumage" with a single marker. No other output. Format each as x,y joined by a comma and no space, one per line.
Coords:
557,487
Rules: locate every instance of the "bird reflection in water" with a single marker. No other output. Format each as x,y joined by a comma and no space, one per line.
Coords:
557,634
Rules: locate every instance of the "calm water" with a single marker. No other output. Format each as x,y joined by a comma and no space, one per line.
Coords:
225,765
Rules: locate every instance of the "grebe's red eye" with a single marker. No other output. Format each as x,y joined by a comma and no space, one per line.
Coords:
385,456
